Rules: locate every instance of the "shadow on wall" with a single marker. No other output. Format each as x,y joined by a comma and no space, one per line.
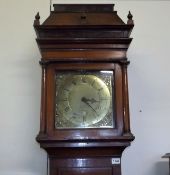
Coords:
162,168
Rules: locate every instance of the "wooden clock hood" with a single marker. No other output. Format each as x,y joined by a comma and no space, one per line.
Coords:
84,27
85,33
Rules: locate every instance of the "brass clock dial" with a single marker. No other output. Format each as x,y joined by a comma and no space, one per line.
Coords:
84,100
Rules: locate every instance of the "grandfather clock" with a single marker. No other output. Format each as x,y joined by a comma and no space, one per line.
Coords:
84,125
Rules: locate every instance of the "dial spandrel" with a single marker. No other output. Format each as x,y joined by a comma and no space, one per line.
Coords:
84,100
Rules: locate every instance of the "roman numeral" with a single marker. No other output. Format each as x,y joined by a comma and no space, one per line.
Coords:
100,89
67,109
74,82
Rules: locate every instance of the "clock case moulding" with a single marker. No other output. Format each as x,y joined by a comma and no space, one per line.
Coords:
84,37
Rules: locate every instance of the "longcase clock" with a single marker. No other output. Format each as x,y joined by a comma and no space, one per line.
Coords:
84,123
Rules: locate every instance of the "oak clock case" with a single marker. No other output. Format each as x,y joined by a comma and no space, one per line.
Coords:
84,119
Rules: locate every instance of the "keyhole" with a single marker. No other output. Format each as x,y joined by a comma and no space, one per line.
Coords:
83,17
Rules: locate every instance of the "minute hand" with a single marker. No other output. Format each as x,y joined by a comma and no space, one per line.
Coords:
85,101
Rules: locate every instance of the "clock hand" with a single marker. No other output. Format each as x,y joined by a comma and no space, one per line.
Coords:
84,99
92,100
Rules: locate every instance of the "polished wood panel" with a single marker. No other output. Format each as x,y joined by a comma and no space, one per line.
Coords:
83,55
85,171
87,166
43,101
83,8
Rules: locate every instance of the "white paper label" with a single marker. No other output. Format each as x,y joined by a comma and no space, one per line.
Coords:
115,161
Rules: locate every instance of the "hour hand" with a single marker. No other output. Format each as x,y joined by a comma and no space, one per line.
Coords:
92,100
85,100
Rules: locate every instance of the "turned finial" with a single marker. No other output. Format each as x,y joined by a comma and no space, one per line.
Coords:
130,20
37,19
